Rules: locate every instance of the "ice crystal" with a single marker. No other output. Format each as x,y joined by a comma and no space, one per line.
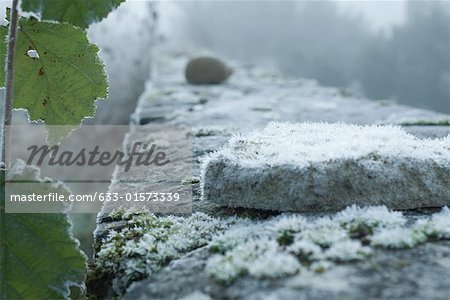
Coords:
277,247
259,258
303,143
150,242
347,250
438,227
284,228
397,237
324,232
305,249
373,216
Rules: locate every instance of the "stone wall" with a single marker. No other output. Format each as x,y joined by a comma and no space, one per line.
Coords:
223,252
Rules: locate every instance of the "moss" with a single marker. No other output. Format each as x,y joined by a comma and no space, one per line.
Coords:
274,247
286,238
120,213
360,231
443,122
190,180
203,132
147,243
321,266
346,237
117,214
98,283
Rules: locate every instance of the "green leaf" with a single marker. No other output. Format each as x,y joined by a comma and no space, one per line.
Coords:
39,257
80,13
59,86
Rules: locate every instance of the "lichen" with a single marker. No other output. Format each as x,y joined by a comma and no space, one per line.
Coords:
147,243
260,258
319,243
436,227
120,213
190,180
276,247
347,250
398,237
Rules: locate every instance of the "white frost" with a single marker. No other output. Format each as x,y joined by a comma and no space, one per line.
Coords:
397,237
301,143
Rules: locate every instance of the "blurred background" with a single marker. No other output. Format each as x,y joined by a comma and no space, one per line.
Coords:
396,50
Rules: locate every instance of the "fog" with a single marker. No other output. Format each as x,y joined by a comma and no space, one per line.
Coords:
386,50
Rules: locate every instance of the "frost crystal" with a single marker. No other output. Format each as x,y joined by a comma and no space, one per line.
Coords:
325,232
347,250
305,249
302,143
259,258
278,247
439,225
372,216
397,237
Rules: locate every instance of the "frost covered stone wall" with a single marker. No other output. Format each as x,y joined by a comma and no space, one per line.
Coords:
227,250
328,166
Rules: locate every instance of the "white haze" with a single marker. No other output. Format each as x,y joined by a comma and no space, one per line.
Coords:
394,50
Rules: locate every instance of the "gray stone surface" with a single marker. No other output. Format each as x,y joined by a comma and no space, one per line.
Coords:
247,102
316,167
419,273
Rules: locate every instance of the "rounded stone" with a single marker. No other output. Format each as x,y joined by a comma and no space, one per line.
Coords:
206,70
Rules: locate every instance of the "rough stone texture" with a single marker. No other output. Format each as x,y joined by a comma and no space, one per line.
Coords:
206,70
248,101
162,179
321,166
418,273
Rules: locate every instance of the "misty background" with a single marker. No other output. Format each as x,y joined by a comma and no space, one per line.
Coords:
393,50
